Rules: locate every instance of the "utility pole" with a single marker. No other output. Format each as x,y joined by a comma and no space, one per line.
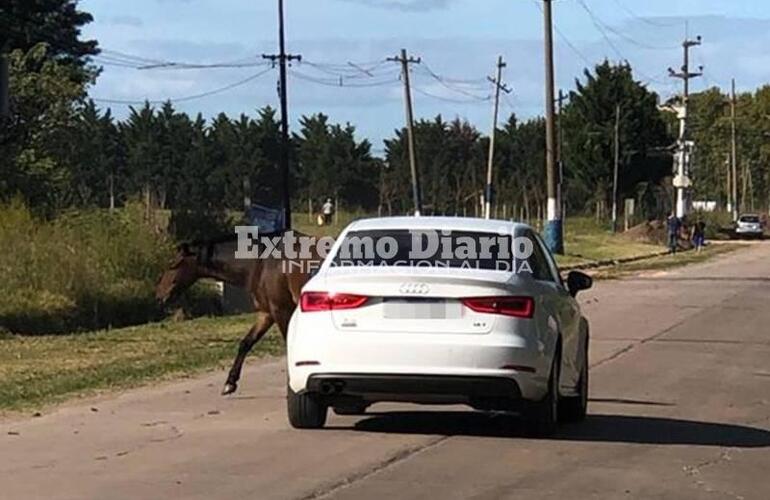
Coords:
729,190
499,85
4,84
283,58
554,236
615,172
734,153
405,61
560,156
682,181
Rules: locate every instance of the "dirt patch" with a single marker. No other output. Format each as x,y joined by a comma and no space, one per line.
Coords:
655,233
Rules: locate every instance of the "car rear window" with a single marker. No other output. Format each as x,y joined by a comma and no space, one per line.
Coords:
753,219
425,248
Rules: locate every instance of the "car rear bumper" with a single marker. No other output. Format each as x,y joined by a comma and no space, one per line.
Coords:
749,232
513,352
490,393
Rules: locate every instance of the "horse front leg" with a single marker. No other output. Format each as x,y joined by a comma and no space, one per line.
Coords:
263,324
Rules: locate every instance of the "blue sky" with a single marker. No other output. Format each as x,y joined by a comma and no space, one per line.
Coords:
457,40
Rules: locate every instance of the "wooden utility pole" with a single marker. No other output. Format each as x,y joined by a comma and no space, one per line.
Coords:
283,58
4,85
734,152
729,190
615,171
744,183
560,195
554,235
682,180
499,85
405,61
112,192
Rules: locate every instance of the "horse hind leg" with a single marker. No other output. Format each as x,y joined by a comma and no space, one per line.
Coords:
263,324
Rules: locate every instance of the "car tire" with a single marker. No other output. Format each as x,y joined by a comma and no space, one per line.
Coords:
306,410
352,409
542,417
575,408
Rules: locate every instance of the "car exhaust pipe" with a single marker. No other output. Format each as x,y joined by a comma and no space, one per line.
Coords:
331,387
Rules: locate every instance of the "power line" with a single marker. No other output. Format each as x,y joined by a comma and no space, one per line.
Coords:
604,26
645,20
109,62
599,27
349,69
128,57
449,99
565,39
185,98
443,81
340,81
180,65
115,58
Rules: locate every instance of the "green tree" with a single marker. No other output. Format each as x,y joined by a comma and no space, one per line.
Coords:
589,123
331,162
141,136
94,157
520,166
450,161
55,23
43,112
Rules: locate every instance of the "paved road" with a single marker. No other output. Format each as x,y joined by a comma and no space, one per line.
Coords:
680,408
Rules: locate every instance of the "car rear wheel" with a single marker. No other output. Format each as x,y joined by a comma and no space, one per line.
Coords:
575,408
306,411
542,417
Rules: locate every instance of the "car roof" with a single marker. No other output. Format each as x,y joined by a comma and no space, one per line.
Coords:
438,223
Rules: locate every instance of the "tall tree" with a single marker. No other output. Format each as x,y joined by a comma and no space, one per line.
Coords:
589,124
94,157
43,111
333,163
55,23
450,161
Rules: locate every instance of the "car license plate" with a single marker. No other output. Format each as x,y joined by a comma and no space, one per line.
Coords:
420,309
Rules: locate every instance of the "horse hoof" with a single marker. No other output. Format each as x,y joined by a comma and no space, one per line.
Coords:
229,389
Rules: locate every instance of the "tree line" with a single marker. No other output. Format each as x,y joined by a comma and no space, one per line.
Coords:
59,150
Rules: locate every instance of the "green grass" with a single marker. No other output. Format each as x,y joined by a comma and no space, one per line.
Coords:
40,370
301,223
666,262
587,241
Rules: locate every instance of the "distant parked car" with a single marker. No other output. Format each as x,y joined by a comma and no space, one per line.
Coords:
492,339
749,226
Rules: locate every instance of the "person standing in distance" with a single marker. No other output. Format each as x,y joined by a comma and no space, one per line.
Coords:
673,226
328,211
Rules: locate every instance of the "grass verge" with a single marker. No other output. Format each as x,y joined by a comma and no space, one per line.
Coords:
665,262
37,371
587,241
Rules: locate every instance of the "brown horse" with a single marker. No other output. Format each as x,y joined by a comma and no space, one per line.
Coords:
273,283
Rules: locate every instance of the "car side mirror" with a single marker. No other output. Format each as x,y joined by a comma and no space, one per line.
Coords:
577,282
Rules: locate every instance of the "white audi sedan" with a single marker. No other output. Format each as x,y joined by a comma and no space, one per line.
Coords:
439,310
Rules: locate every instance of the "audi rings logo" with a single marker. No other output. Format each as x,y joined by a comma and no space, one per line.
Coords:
414,289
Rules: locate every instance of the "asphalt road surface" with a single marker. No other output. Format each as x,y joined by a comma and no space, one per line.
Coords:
680,409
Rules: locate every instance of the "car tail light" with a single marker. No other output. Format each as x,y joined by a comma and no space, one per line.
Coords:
518,307
324,301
